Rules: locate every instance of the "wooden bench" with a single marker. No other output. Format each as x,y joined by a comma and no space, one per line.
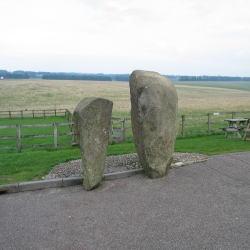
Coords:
235,126
246,130
224,129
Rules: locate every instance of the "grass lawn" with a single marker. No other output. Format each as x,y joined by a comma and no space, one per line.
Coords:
33,164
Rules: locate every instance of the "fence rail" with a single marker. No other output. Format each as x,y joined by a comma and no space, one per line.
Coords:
209,122
118,128
32,114
123,128
55,135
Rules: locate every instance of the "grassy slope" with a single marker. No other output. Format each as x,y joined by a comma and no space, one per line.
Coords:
241,85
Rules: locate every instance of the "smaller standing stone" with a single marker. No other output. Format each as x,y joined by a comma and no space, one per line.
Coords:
92,118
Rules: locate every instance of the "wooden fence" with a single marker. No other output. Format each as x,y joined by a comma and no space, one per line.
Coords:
117,133
33,113
113,137
209,122
19,136
113,132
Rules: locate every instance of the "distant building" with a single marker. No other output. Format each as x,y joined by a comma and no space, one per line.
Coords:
2,77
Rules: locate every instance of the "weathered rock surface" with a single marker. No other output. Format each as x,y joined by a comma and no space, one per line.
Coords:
154,114
92,117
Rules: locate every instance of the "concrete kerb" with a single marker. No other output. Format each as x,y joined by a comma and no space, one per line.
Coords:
66,182
229,154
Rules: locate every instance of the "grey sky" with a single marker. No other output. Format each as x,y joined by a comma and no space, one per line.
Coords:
192,37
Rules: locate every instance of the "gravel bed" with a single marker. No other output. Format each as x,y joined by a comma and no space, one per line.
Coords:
116,164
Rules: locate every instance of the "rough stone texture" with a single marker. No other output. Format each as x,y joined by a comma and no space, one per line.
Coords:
154,114
92,117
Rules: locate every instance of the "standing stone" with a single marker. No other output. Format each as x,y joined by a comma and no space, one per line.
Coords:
154,115
92,118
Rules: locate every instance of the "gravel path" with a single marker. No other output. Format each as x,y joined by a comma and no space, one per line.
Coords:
116,164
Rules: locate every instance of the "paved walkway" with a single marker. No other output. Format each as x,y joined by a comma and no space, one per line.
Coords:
200,206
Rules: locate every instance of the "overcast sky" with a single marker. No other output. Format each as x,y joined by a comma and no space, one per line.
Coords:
180,37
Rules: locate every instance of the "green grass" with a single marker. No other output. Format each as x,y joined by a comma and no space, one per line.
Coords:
33,131
33,164
122,114
213,144
240,85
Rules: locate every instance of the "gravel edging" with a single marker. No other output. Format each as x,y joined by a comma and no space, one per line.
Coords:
117,163
116,167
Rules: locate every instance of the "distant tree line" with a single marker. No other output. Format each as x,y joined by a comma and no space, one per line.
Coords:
126,77
173,77
14,76
245,78
122,78
20,74
77,77
213,78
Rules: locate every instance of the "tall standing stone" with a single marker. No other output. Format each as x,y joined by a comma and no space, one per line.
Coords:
154,115
92,118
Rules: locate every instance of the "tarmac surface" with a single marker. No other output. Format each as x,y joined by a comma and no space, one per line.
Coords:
199,206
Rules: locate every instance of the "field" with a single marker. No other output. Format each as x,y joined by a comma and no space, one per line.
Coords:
34,163
50,94
241,85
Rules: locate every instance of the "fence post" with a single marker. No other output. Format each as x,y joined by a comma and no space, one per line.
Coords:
72,129
19,138
55,135
209,123
233,115
55,112
70,120
183,126
10,114
111,132
123,130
